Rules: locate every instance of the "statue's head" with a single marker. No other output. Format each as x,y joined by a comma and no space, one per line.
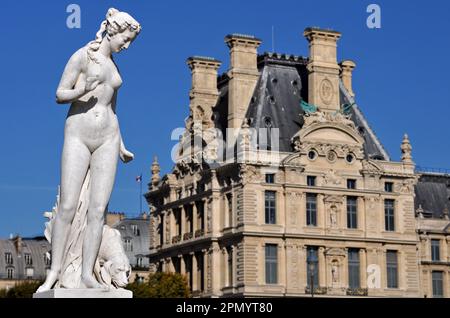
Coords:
119,29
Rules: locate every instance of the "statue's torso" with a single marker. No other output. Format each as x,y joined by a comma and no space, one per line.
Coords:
92,117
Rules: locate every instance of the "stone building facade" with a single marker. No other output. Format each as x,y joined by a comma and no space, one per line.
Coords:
301,197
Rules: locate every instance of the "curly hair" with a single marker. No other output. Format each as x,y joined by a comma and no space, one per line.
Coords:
116,22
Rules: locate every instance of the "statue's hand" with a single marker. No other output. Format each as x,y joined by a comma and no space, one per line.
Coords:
91,83
125,155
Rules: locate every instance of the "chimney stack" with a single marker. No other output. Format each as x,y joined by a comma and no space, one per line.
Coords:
203,94
243,74
347,67
323,78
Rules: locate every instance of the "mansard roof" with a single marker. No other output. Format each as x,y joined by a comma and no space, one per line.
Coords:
433,194
275,103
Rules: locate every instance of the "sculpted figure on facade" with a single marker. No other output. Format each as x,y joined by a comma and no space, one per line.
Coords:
81,244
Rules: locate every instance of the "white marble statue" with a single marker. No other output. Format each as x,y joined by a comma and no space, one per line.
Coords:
92,146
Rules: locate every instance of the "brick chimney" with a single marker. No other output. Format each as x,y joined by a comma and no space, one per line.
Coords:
203,94
114,217
323,78
243,74
347,67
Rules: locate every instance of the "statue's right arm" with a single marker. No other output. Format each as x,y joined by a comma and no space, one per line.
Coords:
67,92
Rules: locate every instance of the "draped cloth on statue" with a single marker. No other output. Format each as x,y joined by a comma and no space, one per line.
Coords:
70,276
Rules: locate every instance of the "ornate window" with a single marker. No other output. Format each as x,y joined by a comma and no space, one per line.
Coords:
311,181
435,250
392,269
271,263
270,178
352,212
388,187
353,268
438,286
351,184
311,209
28,259
8,258
128,245
135,230
312,266
10,272
270,207
389,215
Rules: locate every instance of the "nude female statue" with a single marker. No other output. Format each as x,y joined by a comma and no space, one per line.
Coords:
92,139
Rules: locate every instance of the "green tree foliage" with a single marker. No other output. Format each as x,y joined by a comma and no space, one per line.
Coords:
24,289
161,285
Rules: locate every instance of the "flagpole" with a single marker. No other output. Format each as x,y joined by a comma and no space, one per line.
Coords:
140,195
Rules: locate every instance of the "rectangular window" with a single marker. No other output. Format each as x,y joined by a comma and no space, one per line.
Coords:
135,230
352,212
388,186
312,266
311,209
139,262
28,259
30,272
270,178
389,215
438,286
230,266
8,258
161,230
10,272
270,207
271,264
392,269
351,184
311,181
47,261
128,245
230,209
353,268
435,250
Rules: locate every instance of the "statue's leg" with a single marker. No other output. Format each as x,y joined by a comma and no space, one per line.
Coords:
74,165
103,172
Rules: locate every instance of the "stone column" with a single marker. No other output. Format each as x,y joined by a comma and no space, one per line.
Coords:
344,282
194,218
361,216
304,279
282,264
215,271
182,265
302,211
183,220
320,211
205,269
194,270
363,268
322,268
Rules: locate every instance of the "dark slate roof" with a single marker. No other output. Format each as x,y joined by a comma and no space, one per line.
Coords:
283,83
36,247
140,239
433,194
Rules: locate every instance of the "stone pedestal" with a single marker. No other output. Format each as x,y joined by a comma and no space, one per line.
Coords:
85,293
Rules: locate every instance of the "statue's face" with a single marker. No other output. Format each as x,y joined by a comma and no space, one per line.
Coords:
122,40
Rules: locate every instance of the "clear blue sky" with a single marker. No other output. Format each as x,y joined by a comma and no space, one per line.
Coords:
401,81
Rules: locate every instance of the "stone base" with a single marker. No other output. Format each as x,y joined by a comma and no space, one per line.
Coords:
84,293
